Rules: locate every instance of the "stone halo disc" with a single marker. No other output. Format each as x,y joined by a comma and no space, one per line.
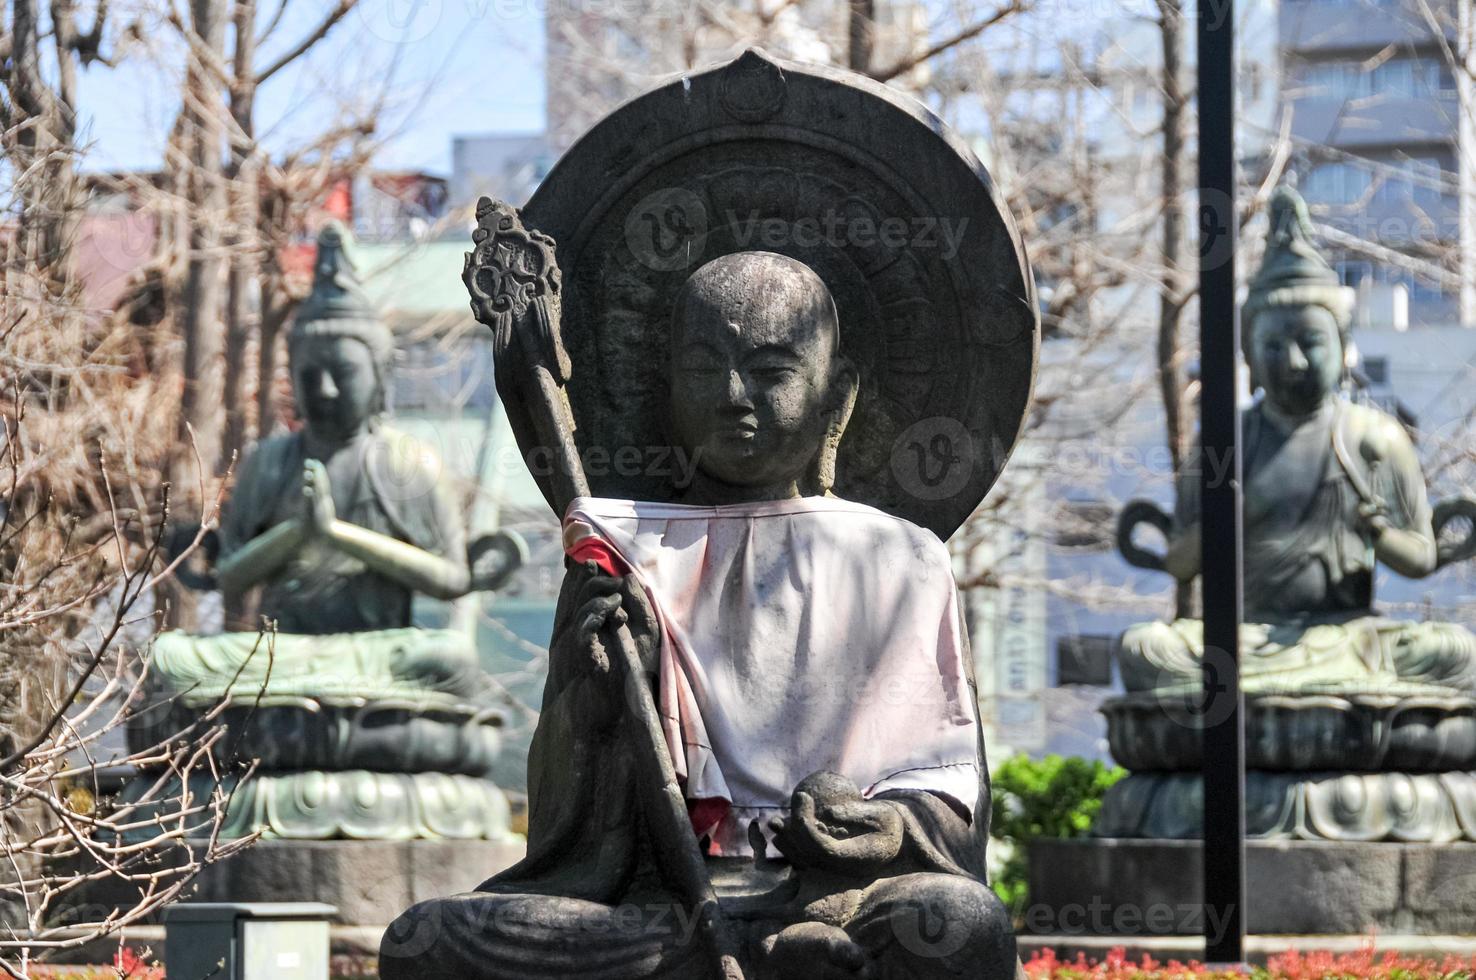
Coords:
866,186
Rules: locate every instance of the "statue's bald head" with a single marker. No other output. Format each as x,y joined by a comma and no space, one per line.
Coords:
757,375
771,296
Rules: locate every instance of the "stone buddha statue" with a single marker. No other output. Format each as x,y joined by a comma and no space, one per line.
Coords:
339,524
1359,725
845,827
759,750
1332,489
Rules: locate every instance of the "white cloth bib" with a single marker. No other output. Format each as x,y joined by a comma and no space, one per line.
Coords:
799,635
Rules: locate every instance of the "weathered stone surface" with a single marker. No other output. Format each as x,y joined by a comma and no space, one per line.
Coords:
370,882
1140,888
1439,889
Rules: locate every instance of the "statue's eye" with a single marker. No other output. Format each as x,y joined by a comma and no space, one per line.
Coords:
772,365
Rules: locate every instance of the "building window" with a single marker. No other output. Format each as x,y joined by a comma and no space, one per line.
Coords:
1429,180
1337,183
1425,292
1400,78
1393,276
444,379
1085,525
1393,183
1352,272
1085,659
1376,369
1395,77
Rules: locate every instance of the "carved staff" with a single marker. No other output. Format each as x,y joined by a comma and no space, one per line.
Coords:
515,283
516,289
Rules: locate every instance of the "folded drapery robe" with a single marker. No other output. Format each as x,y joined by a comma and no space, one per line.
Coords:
797,635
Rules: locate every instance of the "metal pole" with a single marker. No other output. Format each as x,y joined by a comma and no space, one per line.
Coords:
1224,727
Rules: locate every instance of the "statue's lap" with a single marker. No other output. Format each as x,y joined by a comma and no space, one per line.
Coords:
923,925
1348,650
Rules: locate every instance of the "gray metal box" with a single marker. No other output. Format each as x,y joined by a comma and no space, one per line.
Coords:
247,940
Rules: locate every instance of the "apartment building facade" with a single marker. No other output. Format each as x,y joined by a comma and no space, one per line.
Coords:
1383,149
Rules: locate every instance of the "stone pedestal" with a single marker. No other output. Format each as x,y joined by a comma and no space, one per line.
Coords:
369,882
1140,888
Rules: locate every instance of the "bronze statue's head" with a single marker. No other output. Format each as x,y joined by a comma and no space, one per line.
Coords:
1297,356
1296,314
760,392
339,385
340,351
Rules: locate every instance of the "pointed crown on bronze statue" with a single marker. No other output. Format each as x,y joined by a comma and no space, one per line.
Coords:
337,306
1293,272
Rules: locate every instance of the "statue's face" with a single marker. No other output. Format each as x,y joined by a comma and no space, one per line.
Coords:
1298,356
754,366
336,383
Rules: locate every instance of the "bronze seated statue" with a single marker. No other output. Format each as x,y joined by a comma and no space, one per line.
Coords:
359,723
1350,710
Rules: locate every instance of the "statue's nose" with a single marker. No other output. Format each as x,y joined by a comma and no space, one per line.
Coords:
327,387
738,391
1295,359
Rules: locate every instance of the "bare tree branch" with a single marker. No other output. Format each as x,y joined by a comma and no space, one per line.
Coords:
340,10
966,34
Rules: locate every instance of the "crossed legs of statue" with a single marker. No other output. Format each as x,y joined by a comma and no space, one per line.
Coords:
1336,650
911,927
924,926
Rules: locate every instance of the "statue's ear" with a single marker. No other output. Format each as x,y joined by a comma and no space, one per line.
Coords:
844,384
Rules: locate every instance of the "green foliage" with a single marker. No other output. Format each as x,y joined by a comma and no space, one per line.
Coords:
1055,796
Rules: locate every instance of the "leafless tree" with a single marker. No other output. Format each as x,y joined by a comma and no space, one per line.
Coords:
80,542
98,441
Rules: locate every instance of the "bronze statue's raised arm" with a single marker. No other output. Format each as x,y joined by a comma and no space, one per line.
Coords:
1395,502
415,568
410,566
1408,551
261,557
250,556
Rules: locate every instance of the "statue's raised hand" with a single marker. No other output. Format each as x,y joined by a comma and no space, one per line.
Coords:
1375,516
605,604
317,497
831,828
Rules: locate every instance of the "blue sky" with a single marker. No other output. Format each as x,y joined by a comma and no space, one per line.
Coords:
450,66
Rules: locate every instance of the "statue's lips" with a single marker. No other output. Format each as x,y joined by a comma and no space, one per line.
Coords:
737,433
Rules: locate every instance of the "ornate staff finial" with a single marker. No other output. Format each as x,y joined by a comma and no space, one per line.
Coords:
513,277
509,272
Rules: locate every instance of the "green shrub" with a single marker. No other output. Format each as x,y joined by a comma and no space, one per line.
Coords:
1055,796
